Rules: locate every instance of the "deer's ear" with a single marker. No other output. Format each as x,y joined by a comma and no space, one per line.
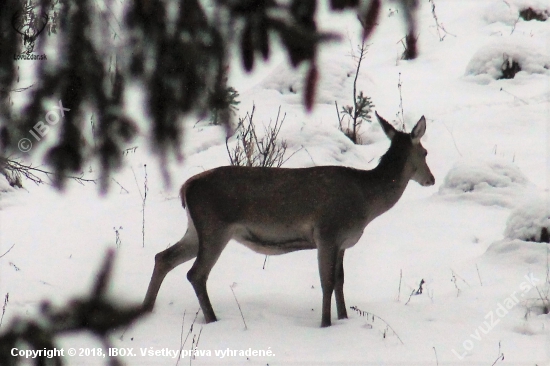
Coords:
418,130
389,130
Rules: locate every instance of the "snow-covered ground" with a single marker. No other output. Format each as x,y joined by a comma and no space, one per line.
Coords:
489,149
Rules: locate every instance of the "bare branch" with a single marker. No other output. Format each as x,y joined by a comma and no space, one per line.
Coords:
7,251
14,170
373,316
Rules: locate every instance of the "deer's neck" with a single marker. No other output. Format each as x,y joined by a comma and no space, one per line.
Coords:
392,174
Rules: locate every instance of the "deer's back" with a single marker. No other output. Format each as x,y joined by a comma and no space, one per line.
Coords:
284,195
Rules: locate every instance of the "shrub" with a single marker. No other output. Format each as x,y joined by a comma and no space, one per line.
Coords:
531,14
267,151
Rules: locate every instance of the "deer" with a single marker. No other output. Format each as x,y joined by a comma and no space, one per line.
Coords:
281,210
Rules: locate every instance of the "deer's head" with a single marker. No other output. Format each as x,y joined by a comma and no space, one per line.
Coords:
412,148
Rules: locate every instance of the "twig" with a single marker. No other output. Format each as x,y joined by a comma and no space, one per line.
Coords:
118,242
6,300
239,305
410,296
400,278
124,332
181,335
188,333
436,360
362,52
547,262
399,84
311,157
453,280
265,261
197,343
120,185
542,298
7,251
479,276
438,25
452,137
19,90
454,276
500,356
143,200
515,96
107,21
192,348
338,114
291,155
416,292
462,279
137,184
514,26
373,316
93,130
145,189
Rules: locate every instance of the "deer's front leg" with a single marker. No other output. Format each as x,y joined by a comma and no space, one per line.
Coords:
339,286
327,266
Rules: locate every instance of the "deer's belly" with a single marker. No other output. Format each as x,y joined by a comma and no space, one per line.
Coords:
274,240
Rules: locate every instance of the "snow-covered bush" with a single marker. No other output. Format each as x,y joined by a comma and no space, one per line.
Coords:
528,220
509,11
286,81
490,182
4,185
496,59
334,80
5,189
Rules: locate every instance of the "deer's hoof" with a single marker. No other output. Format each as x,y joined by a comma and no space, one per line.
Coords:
210,319
325,324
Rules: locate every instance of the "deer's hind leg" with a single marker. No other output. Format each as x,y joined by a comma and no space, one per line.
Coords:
339,286
165,261
327,254
211,245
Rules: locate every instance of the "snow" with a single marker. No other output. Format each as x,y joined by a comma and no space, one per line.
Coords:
489,182
489,150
